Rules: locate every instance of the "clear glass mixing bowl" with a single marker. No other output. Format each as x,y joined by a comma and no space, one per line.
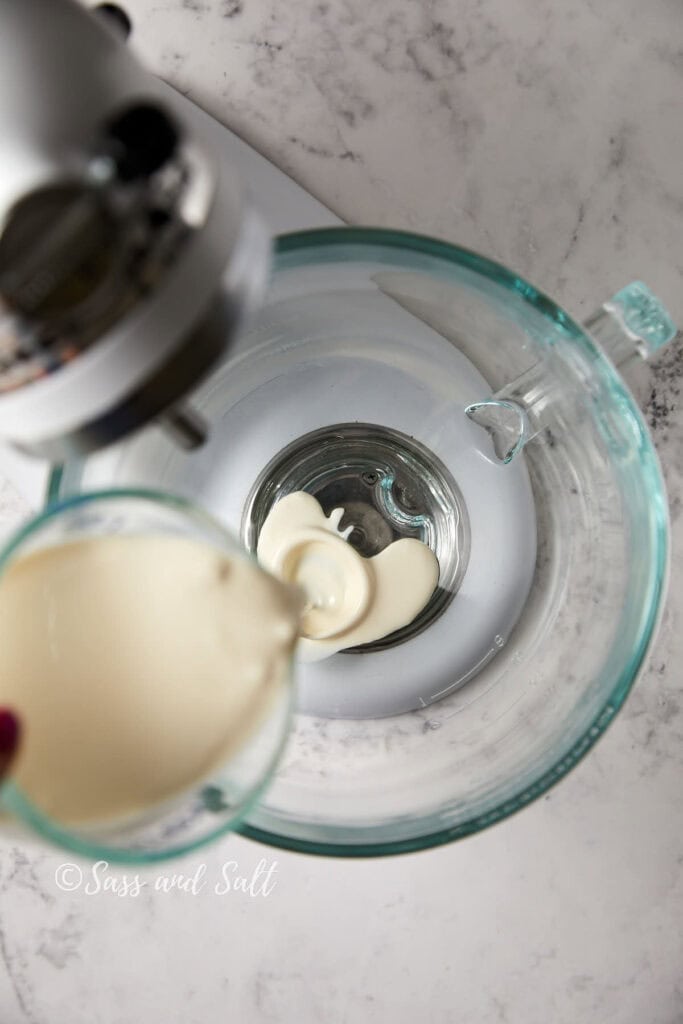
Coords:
511,445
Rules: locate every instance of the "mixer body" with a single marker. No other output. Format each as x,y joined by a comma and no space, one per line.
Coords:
128,254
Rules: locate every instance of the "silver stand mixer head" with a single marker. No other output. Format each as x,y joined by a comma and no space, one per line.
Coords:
128,256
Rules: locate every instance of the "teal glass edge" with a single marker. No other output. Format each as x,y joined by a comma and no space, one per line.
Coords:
338,239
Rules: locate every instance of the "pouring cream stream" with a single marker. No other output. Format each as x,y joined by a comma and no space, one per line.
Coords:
350,600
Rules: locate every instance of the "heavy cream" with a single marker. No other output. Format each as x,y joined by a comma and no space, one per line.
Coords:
349,600
136,665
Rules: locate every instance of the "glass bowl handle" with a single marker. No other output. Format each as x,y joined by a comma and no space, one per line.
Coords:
633,325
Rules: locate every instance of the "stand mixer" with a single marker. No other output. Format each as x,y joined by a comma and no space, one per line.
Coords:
425,390
128,256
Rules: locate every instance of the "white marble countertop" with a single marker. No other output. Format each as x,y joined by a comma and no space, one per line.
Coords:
548,135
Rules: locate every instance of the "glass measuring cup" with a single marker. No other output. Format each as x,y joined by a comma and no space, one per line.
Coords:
476,413
145,742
